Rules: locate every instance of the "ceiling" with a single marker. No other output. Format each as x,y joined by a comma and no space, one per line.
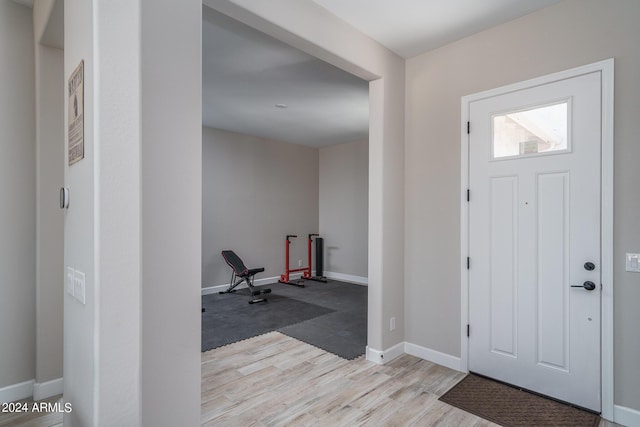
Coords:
411,27
246,73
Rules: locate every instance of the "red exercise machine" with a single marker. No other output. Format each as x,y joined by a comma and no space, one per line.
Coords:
306,271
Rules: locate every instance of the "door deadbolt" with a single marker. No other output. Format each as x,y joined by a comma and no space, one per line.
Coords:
589,266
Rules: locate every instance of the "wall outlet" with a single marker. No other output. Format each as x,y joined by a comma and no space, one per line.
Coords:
392,324
633,263
299,263
70,280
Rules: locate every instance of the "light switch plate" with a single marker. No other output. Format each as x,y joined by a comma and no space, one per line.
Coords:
79,286
633,263
70,280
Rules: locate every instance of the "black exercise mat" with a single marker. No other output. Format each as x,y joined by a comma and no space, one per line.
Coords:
338,333
339,296
229,318
511,407
341,330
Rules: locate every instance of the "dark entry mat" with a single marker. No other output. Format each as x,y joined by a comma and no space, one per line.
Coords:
229,318
512,407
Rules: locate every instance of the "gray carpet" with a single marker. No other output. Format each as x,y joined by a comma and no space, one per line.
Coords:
331,316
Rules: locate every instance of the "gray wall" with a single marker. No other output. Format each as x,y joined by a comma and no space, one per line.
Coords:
344,205
255,191
572,33
18,195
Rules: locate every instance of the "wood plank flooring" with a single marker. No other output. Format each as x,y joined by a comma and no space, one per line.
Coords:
33,419
275,380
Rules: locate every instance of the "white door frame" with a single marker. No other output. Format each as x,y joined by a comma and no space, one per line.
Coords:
606,69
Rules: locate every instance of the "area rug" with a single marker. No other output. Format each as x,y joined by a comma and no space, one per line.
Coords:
512,407
228,318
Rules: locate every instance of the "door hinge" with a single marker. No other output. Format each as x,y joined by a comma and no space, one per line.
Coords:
468,195
468,329
468,128
468,263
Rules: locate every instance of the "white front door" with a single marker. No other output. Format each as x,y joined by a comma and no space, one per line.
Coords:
534,238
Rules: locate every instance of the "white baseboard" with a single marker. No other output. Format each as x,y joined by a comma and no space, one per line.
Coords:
258,282
434,356
375,356
48,389
269,280
16,391
358,280
385,356
393,352
626,416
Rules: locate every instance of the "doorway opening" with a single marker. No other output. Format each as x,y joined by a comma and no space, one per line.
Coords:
285,152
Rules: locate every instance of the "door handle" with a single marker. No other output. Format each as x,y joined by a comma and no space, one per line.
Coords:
64,197
588,285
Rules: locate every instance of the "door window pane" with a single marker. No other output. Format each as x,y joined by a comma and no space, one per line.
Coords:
538,130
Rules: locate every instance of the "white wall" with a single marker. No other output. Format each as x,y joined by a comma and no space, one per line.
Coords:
132,352
344,205
569,34
117,351
171,72
79,239
49,84
304,25
18,193
255,191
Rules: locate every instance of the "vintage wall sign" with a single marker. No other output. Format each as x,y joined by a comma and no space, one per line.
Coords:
76,115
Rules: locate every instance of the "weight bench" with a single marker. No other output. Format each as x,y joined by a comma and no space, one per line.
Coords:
242,274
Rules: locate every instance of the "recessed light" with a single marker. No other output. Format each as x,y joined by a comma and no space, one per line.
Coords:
281,105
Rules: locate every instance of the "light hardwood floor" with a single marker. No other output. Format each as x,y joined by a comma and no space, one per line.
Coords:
275,380
33,419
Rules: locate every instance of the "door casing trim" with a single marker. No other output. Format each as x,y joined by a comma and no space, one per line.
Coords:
606,68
